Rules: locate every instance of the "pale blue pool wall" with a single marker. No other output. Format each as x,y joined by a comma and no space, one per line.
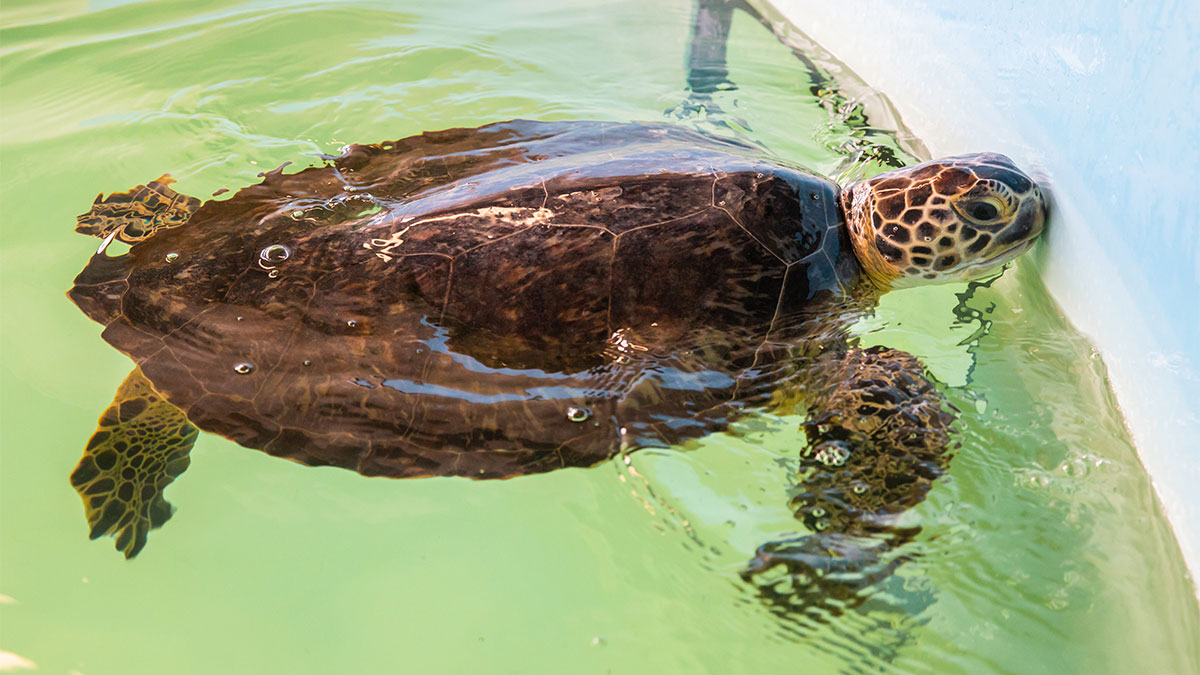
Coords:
1103,98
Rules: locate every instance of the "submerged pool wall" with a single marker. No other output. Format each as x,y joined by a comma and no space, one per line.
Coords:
1103,99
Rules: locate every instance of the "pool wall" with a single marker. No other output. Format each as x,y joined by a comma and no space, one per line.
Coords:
1102,99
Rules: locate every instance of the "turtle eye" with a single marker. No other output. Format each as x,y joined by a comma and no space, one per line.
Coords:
983,211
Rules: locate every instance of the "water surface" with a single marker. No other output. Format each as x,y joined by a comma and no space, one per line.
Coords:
1044,549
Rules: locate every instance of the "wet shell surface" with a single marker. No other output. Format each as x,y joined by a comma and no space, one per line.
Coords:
483,302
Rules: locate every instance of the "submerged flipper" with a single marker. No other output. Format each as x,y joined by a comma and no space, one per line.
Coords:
141,444
878,436
138,213
708,72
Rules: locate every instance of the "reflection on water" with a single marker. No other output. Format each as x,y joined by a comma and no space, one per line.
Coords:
1042,549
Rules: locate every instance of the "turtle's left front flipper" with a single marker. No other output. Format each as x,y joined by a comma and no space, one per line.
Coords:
879,434
141,444
135,215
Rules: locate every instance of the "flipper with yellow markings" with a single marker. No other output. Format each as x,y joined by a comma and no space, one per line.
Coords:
141,444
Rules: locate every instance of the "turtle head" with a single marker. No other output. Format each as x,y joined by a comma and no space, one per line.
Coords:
951,219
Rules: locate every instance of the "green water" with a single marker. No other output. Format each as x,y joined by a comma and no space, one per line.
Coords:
1044,550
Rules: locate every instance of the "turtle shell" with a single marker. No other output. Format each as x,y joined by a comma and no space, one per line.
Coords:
484,302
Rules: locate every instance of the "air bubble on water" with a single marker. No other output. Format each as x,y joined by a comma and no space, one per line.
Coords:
819,512
274,274
297,215
172,257
577,414
306,362
275,253
351,323
243,368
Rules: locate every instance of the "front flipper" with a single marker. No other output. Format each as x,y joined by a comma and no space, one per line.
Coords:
878,436
708,73
141,444
136,214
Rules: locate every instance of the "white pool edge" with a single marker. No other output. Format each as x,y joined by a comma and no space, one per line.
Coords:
905,52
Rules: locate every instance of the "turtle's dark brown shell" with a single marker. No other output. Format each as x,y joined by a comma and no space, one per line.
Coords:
483,302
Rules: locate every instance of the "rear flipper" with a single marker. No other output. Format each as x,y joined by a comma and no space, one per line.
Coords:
141,444
878,436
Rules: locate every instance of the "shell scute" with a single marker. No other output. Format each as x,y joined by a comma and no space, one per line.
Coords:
555,284
738,283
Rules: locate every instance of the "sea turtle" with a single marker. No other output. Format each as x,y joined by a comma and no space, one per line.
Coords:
528,296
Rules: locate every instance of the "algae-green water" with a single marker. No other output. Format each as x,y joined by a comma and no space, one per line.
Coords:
1043,549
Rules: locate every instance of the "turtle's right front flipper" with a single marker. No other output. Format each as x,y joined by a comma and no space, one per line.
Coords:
707,72
706,63
878,436
141,444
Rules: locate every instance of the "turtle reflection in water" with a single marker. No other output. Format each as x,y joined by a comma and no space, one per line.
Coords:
530,296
